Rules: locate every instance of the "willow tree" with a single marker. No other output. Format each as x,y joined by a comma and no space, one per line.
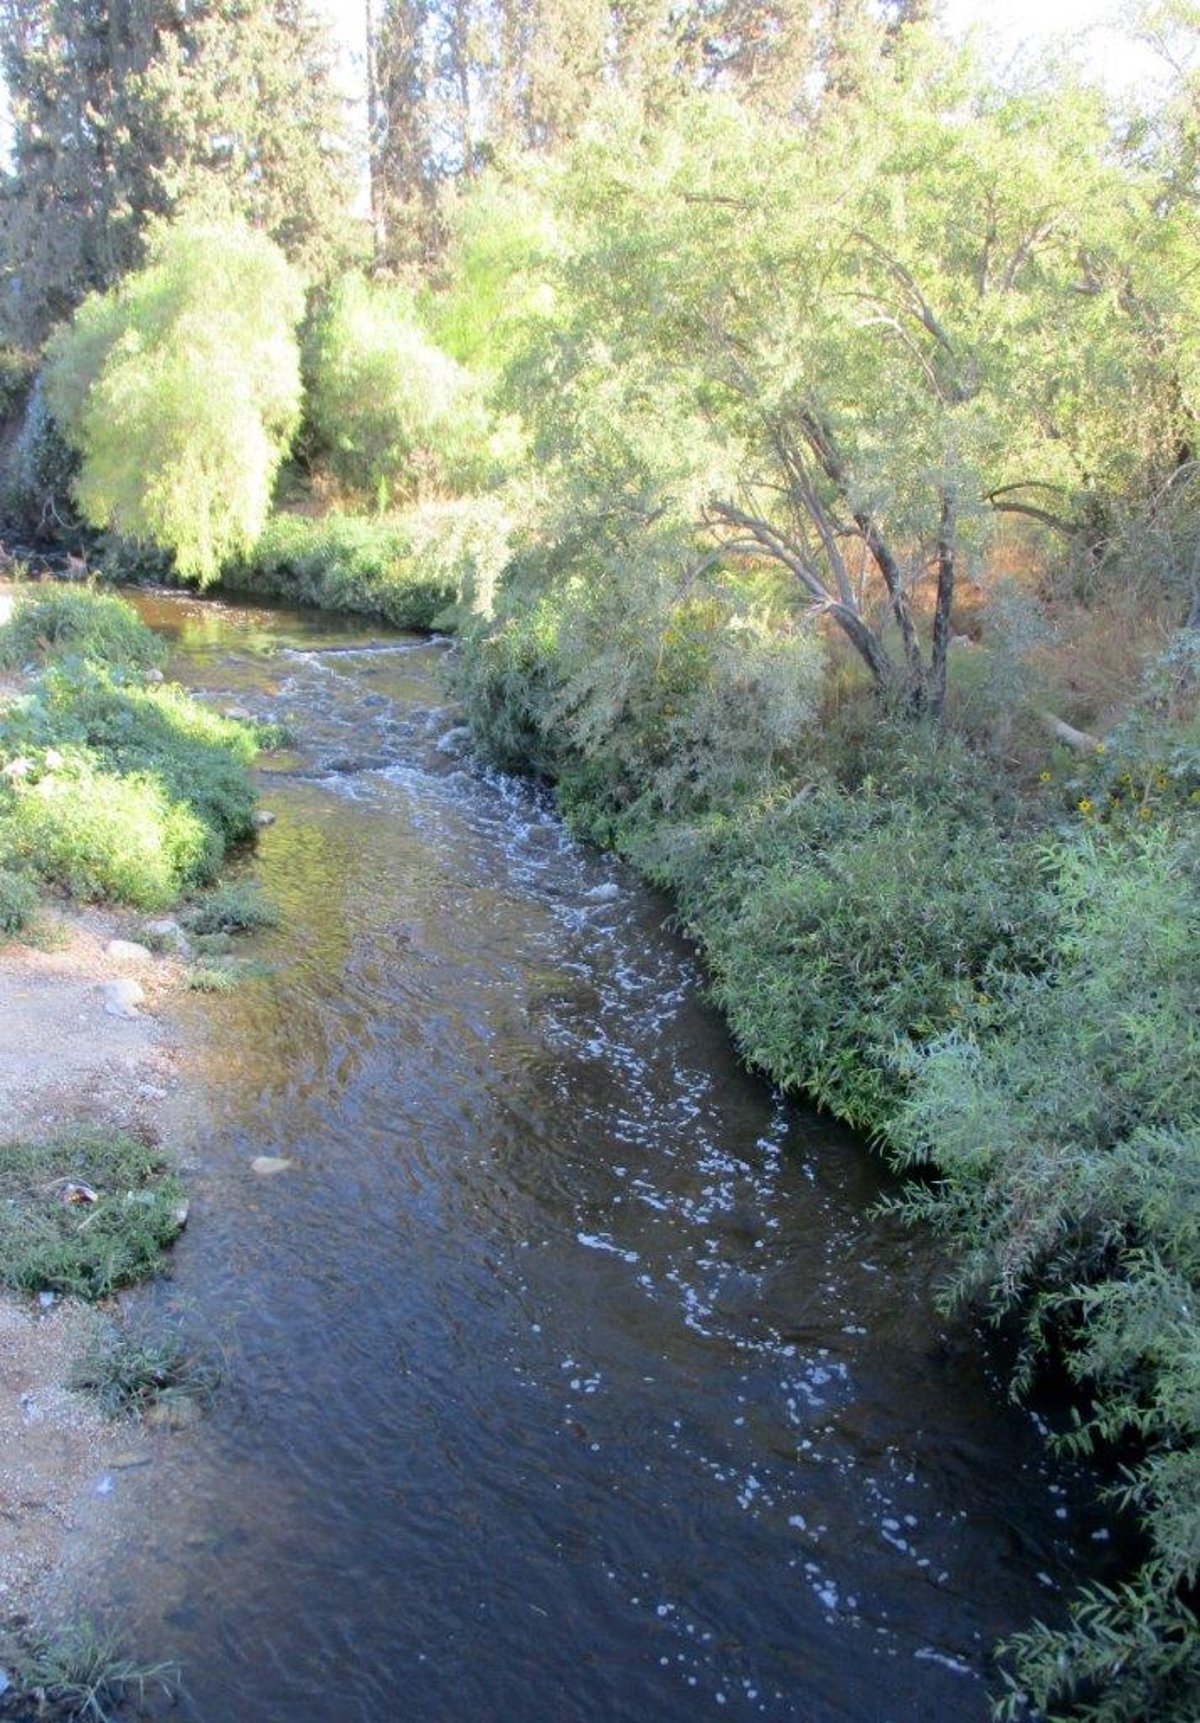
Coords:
180,389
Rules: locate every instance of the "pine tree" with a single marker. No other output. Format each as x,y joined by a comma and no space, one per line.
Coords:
124,110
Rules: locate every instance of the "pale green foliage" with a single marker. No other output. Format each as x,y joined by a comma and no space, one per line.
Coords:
1064,1130
502,240
181,390
430,565
881,331
400,418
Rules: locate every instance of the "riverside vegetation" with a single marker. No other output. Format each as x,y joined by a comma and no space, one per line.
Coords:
796,423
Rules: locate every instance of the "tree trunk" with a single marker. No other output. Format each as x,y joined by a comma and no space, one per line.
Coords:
939,664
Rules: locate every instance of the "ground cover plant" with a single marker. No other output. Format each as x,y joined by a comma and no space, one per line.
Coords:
85,1214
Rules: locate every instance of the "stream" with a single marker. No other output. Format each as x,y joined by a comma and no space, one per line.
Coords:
571,1374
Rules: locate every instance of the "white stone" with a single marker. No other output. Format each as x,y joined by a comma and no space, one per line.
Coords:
122,997
266,1165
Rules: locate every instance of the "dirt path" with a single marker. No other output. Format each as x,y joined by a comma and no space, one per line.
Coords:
65,1058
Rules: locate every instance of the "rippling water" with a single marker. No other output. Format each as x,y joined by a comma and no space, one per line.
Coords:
571,1375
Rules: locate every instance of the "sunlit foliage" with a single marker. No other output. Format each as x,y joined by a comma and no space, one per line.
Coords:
181,391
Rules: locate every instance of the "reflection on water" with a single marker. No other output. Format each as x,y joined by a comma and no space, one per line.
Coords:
571,1375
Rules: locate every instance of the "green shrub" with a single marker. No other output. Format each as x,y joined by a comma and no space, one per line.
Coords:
180,388
839,927
414,570
85,1214
198,757
235,907
100,835
1061,1118
399,418
64,621
18,900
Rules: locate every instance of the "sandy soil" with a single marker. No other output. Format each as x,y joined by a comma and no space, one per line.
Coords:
64,1058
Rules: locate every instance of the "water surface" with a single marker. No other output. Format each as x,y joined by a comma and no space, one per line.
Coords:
571,1375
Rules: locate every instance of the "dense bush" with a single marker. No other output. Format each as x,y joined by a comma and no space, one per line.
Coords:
180,388
113,789
413,569
98,835
398,418
18,900
1061,1118
62,621
840,927
647,691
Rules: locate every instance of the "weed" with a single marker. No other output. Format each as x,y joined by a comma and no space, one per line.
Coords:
213,977
130,1366
84,1214
82,1676
236,906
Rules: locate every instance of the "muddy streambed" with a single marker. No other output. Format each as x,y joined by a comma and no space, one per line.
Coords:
570,1375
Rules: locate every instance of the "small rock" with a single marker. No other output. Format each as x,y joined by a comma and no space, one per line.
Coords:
154,675
53,759
122,997
47,1300
454,742
266,1165
263,818
18,768
128,951
172,1415
604,893
127,1462
169,931
179,1214
238,714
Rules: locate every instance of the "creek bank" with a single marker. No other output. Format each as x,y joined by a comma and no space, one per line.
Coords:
65,1062
116,787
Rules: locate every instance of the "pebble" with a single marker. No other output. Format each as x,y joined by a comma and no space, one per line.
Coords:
604,893
263,818
266,1165
122,997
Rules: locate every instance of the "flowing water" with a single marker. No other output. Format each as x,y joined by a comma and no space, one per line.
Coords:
570,1373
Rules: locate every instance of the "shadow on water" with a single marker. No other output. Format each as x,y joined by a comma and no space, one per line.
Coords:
572,1376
